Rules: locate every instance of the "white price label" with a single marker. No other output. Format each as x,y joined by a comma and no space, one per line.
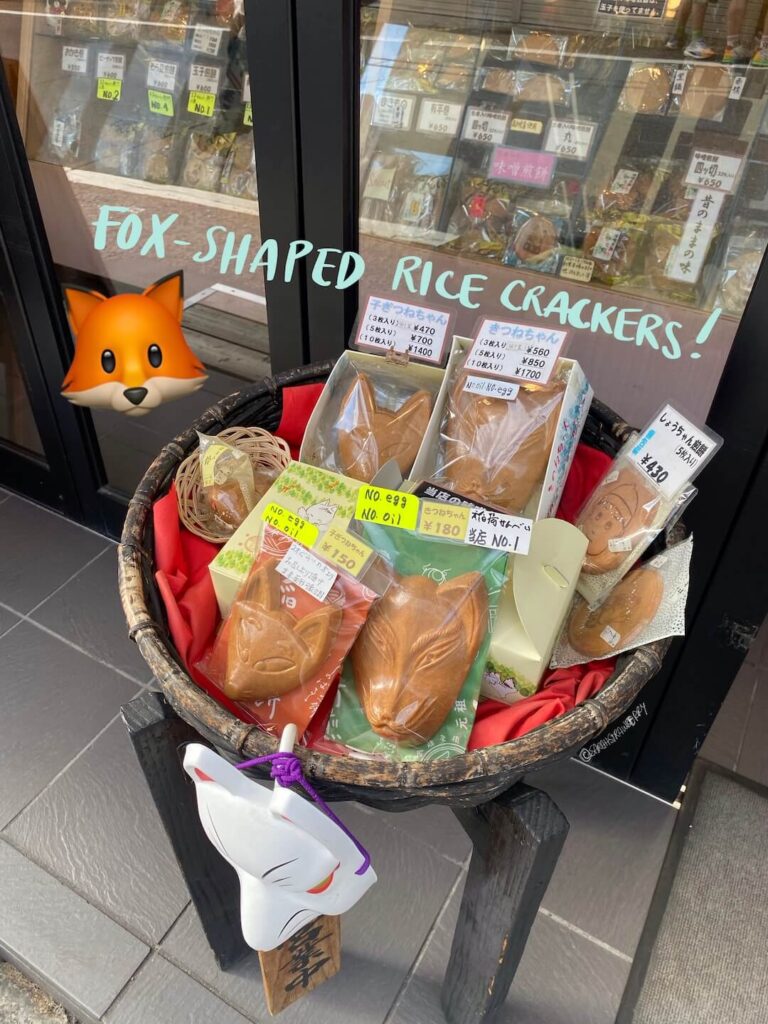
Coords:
161,75
379,183
57,132
393,111
481,125
74,58
305,570
247,88
623,182
671,451
487,529
439,118
576,268
571,139
685,260
206,40
606,243
610,636
203,78
738,87
678,82
489,387
713,170
516,352
110,65
389,324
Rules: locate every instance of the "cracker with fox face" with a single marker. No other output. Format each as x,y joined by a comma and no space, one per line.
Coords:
130,352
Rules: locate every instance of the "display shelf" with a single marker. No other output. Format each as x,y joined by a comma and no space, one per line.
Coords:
181,193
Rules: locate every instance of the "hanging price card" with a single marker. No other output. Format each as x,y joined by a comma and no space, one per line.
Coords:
390,508
481,125
203,103
515,351
203,78
75,59
489,387
160,102
302,568
393,111
161,75
206,40
290,524
387,324
576,268
671,451
488,529
439,118
713,170
109,89
448,521
344,550
570,138
110,65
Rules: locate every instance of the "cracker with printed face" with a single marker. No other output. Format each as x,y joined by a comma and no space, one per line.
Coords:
614,519
627,610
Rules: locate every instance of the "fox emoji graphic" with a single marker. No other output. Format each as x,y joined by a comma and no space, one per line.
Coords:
130,352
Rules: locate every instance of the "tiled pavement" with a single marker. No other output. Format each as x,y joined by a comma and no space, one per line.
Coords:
92,904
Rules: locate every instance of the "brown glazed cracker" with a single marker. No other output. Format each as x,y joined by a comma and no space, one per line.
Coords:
627,610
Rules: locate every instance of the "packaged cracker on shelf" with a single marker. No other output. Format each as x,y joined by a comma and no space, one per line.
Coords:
158,154
627,190
385,186
205,157
647,89
63,142
674,197
663,239
535,240
705,92
82,20
533,87
406,187
615,248
169,22
124,20
742,261
116,150
482,220
423,200
538,47
239,175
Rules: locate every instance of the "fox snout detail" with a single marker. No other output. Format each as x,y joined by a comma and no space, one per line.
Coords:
130,351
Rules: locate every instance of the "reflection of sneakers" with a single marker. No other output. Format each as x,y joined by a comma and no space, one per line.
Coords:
736,54
760,59
699,50
673,43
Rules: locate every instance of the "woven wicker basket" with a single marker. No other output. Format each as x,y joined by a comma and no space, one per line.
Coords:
471,779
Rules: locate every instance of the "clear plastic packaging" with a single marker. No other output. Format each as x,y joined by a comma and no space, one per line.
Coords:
482,219
527,86
647,89
535,241
117,147
205,158
158,153
742,261
410,687
406,187
627,189
64,138
170,21
705,92
124,19
280,648
537,47
83,20
239,175
229,484
615,248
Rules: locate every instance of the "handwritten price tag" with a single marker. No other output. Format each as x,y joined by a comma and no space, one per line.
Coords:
489,387
291,524
495,530
448,521
109,89
344,550
514,351
160,102
203,103
390,508
302,568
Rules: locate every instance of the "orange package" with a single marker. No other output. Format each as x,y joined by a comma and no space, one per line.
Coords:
281,647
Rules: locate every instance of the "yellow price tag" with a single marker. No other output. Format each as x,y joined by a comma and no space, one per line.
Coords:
248,114
201,103
391,508
439,520
344,550
109,89
291,524
160,102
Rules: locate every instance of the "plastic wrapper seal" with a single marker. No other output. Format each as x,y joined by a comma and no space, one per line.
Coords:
410,687
648,605
231,485
534,241
280,648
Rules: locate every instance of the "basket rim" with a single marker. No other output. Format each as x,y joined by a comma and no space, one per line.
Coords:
537,747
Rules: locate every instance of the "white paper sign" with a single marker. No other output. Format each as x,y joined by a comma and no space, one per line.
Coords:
491,388
496,530
713,170
393,111
439,118
738,87
110,65
623,182
74,58
678,82
417,330
686,258
481,125
606,243
247,88
161,75
57,132
516,352
203,78
305,570
570,138
576,268
206,40
671,451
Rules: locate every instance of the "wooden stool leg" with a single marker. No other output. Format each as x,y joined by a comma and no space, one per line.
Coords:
158,736
517,839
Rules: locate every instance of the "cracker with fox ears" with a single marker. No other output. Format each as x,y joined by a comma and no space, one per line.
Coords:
130,352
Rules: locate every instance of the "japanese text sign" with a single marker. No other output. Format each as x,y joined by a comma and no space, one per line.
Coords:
525,166
392,324
713,171
671,451
516,352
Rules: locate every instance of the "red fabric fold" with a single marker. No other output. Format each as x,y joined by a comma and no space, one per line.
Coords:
586,472
298,403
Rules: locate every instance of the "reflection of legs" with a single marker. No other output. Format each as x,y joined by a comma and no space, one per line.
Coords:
734,22
697,48
760,58
683,13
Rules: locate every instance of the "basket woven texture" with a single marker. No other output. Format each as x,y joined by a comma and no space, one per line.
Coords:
468,780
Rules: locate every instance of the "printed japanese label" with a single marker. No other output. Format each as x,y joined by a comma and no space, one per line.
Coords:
525,124
109,89
248,114
246,88
524,166
161,75
391,508
610,636
305,570
110,65
501,532
203,103
515,351
393,111
291,524
160,102
203,78
491,388
417,330
606,243
439,118
713,170
576,268
636,9
379,183
412,209
671,451
619,544
738,87
208,460
206,40
74,58
623,182
570,138
57,132
685,260
481,125
344,550
448,521
678,82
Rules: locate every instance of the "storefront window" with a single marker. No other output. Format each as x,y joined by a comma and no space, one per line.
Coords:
572,163
17,424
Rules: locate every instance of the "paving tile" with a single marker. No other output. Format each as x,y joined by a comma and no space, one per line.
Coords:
753,757
381,935
97,829
32,539
54,701
724,740
435,825
88,612
162,994
71,948
562,978
607,872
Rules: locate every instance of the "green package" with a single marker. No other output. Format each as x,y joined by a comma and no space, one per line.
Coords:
412,554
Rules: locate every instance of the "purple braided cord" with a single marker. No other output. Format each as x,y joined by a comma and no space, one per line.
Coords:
286,771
